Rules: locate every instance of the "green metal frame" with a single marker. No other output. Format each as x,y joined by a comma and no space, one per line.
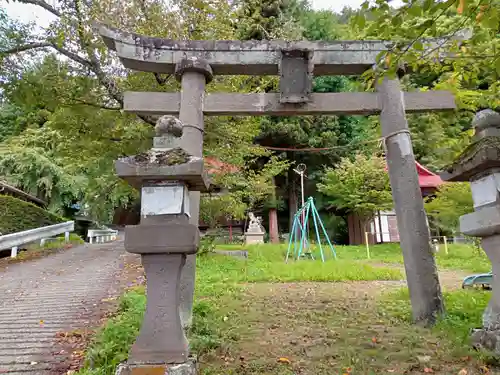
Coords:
301,245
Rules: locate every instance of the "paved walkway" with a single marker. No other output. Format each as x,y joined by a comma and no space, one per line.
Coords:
61,292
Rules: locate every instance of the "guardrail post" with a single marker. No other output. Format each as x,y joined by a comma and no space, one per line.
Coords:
40,235
66,236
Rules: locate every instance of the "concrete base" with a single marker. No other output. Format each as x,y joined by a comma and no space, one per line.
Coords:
188,368
254,238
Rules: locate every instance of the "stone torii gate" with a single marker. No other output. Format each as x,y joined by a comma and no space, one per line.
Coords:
194,63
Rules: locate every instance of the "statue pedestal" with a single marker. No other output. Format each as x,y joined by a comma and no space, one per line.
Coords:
254,238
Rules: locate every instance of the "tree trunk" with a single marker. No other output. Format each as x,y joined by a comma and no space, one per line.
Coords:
273,218
273,226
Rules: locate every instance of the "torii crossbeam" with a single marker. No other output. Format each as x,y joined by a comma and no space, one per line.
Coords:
195,62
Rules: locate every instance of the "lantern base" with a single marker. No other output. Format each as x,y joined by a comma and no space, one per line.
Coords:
188,368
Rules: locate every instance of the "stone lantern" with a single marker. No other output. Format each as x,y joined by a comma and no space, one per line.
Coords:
164,237
480,164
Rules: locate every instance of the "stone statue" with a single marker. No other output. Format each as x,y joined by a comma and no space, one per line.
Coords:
255,232
255,225
168,125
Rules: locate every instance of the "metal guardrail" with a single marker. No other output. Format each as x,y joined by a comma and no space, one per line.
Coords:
101,235
14,240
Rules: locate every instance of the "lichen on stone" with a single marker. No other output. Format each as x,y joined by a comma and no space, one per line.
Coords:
174,156
473,149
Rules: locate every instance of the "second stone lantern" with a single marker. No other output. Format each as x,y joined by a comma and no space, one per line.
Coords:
164,175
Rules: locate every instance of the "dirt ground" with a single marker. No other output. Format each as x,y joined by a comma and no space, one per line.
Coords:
329,328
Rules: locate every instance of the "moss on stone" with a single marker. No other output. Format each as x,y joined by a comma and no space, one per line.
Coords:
473,149
174,156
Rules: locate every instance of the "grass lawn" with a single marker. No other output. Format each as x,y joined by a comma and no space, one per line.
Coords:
459,257
262,316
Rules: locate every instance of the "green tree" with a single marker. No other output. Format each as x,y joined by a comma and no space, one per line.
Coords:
452,200
71,122
466,62
360,186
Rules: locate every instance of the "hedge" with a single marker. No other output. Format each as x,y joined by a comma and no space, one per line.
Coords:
17,215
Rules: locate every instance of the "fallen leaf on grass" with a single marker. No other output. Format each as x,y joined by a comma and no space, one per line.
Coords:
284,360
463,372
428,370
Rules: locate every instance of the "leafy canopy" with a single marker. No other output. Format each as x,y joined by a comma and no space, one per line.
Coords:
452,201
360,185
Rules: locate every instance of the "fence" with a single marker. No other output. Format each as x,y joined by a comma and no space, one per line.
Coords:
14,240
436,242
101,235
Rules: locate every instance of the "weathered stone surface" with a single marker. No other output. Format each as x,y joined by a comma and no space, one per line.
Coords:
254,238
168,125
425,292
233,253
161,339
482,223
485,190
486,118
251,57
296,75
170,238
478,159
191,114
194,65
188,368
489,336
261,104
171,198
192,173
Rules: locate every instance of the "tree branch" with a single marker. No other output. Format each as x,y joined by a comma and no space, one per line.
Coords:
42,4
73,56
108,82
96,105
162,80
25,47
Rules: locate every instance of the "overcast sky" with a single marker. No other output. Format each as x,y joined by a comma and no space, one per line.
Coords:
26,12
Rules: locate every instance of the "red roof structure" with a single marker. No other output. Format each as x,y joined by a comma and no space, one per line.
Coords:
428,181
215,166
426,178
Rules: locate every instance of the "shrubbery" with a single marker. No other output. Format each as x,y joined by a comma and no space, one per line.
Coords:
17,215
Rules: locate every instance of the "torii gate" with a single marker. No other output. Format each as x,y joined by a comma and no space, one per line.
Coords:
195,62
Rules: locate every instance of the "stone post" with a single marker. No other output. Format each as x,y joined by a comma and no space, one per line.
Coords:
164,238
193,74
420,266
480,164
